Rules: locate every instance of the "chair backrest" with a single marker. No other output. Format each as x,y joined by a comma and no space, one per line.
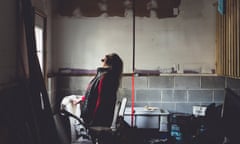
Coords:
123,107
119,111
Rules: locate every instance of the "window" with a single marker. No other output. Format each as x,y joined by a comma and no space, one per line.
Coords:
39,45
40,37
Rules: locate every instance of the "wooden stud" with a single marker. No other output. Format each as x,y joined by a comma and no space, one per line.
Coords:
238,39
224,45
235,39
231,38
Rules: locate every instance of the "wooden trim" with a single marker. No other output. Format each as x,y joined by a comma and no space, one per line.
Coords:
50,75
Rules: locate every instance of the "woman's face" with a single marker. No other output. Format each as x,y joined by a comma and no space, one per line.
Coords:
104,60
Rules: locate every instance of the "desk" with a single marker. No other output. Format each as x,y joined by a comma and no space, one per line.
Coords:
144,117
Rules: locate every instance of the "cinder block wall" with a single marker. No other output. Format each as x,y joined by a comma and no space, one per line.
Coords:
174,93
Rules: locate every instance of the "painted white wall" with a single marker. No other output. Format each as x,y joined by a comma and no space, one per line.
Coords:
187,40
8,41
82,43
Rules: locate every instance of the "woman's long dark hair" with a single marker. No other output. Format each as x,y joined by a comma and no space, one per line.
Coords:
116,64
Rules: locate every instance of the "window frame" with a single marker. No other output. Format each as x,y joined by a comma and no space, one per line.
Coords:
43,21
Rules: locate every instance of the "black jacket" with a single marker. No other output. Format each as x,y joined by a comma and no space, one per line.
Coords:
100,99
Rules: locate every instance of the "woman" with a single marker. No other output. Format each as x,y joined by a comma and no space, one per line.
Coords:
100,97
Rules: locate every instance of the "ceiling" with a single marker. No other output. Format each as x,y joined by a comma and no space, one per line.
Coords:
96,8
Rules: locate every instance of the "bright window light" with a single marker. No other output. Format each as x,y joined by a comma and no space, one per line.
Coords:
39,44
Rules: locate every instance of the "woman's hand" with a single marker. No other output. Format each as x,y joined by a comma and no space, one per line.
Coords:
77,101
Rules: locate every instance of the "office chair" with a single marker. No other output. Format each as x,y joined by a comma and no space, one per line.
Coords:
108,135
101,134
